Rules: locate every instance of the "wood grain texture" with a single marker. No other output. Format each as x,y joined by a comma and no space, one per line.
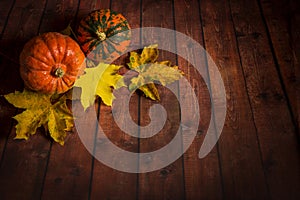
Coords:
22,24
75,175
77,170
109,183
294,30
166,183
242,171
281,22
202,177
5,9
58,15
255,46
267,100
90,5
8,73
7,112
23,163
69,166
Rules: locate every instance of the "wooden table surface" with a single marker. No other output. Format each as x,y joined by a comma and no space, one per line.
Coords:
255,45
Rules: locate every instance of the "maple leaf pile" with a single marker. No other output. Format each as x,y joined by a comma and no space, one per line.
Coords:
52,112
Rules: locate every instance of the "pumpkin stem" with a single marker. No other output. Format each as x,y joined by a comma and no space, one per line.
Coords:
59,72
101,35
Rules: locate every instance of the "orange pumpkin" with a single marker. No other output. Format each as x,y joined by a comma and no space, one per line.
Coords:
51,62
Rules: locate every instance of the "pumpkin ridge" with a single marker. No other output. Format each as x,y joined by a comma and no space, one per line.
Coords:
53,85
58,45
38,60
44,41
68,47
111,48
60,85
89,30
111,15
104,19
99,21
44,55
38,70
112,24
116,44
93,26
90,24
89,40
38,40
111,29
68,80
73,73
65,52
35,74
92,44
55,47
118,32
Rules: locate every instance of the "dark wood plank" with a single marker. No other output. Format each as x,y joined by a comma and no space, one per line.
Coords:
23,163
25,16
168,182
5,9
88,6
9,72
281,21
258,149
69,167
275,130
109,183
294,30
202,177
242,172
58,15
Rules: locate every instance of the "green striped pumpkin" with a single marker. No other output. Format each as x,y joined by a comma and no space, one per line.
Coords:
103,35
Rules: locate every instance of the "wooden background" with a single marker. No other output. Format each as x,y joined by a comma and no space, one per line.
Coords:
256,47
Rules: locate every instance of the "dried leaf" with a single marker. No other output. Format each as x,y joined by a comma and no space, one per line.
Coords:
41,111
155,72
67,30
148,55
150,71
149,90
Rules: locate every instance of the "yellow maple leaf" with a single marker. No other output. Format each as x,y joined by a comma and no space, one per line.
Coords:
150,71
99,81
41,110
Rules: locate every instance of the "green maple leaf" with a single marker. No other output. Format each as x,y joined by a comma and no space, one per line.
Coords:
41,110
99,81
150,71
